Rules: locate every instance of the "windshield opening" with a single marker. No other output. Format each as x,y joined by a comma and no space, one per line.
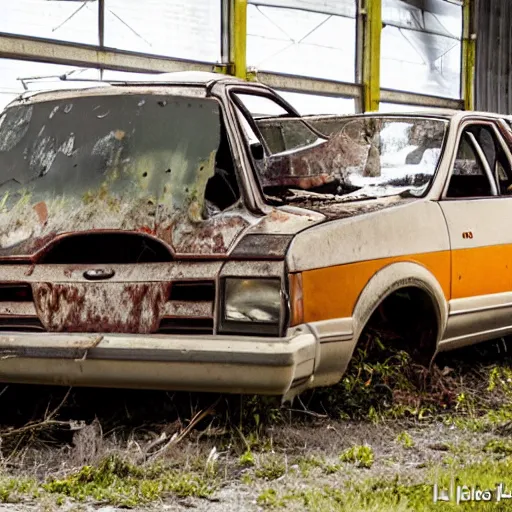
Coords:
151,163
364,158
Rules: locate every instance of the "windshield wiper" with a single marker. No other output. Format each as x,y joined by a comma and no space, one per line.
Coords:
359,198
311,196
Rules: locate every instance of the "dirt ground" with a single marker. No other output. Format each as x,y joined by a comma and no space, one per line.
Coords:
109,450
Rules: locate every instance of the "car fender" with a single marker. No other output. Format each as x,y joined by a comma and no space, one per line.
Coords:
392,278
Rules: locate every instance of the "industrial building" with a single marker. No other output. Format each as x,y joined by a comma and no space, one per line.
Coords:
326,56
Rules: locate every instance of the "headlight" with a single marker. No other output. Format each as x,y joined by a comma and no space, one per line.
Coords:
251,305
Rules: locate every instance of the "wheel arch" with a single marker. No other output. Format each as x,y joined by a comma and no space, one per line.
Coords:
391,279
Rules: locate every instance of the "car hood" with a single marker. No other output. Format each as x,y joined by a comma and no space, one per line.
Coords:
271,235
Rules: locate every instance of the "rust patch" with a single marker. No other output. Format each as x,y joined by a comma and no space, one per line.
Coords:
68,271
279,216
42,211
101,307
30,270
210,236
147,230
335,210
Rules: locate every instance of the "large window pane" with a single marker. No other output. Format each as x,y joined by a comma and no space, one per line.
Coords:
302,42
400,107
54,19
421,47
177,28
15,73
308,104
339,7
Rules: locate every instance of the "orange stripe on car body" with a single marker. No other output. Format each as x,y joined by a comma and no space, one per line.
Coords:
332,292
481,271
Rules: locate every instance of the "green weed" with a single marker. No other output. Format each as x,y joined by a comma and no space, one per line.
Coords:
120,483
271,468
246,459
405,440
361,455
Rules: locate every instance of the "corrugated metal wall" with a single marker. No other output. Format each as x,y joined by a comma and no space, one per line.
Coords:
494,56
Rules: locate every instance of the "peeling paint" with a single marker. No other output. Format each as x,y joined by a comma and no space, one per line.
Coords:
14,126
144,174
101,307
54,111
43,154
68,146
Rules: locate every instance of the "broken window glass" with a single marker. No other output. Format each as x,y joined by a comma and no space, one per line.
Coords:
365,157
468,178
309,104
277,128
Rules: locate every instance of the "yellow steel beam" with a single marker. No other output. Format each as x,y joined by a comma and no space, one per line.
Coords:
46,50
372,13
468,55
238,47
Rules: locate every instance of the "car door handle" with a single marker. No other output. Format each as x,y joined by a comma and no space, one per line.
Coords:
98,274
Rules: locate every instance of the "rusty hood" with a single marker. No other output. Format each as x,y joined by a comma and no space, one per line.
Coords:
332,210
131,163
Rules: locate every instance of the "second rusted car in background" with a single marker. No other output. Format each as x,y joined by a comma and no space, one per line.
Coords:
196,233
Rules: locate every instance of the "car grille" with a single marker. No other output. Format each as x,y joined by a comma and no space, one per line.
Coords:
17,310
189,309
22,324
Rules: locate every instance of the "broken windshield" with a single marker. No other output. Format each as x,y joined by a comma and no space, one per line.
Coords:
365,157
128,161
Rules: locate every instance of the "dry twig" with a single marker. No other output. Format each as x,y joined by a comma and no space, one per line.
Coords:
47,421
177,437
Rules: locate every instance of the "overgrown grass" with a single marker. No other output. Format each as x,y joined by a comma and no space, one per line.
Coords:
471,389
12,490
271,468
399,493
118,482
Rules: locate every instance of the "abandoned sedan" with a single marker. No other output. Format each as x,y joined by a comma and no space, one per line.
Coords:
196,233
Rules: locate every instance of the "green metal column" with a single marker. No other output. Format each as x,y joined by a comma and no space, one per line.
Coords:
238,36
372,13
468,54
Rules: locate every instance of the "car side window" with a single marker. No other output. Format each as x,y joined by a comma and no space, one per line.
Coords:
469,177
495,156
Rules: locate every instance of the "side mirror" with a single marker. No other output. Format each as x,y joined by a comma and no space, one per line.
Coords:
257,151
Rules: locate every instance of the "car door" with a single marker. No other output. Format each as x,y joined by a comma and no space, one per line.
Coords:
477,205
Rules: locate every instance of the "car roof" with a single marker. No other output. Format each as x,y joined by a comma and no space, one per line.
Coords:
67,87
70,87
433,112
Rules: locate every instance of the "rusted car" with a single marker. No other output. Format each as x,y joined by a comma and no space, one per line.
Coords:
194,232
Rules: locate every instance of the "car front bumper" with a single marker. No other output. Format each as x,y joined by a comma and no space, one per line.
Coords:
235,364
